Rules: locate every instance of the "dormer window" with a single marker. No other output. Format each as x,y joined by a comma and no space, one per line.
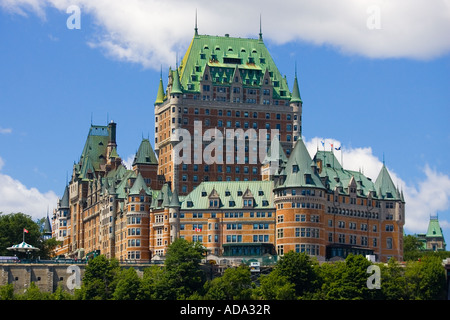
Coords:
189,204
214,203
248,203
294,168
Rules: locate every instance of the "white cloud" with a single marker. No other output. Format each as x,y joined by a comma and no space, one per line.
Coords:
151,32
428,197
128,163
16,197
5,130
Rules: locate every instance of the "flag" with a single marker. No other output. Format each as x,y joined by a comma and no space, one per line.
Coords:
323,143
25,230
338,148
198,229
331,145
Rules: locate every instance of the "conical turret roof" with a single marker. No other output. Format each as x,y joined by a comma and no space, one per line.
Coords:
298,169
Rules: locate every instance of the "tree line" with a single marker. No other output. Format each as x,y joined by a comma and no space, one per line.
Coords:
294,276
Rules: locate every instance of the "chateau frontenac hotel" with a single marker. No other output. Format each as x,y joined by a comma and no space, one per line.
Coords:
238,205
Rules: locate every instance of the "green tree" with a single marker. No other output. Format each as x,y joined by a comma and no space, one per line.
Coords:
128,285
425,279
275,286
34,293
100,279
411,248
393,282
47,248
152,284
234,284
11,232
300,270
61,294
346,280
183,275
7,292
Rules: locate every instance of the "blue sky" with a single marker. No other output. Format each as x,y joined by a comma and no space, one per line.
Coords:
374,92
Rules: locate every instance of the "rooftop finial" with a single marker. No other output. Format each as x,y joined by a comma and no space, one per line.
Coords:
260,28
196,29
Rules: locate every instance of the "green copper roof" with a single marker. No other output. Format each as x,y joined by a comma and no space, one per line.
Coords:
434,229
223,55
164,198
280,156
385,187
176,86
334,176
139,185
230,194
145,154
299,172
122,186
114,153
175,201
296,92
94,151
160,96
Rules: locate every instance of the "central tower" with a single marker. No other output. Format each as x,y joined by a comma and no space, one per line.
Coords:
223,83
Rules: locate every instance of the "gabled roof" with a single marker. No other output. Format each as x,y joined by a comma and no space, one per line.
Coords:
230,191
122,186
139,185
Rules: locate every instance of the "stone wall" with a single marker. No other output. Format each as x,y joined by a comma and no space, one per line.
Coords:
47,276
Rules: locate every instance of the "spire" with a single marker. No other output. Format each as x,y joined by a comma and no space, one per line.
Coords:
160,94
174,202
176,86
196,29
47,228
260,28
295,97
